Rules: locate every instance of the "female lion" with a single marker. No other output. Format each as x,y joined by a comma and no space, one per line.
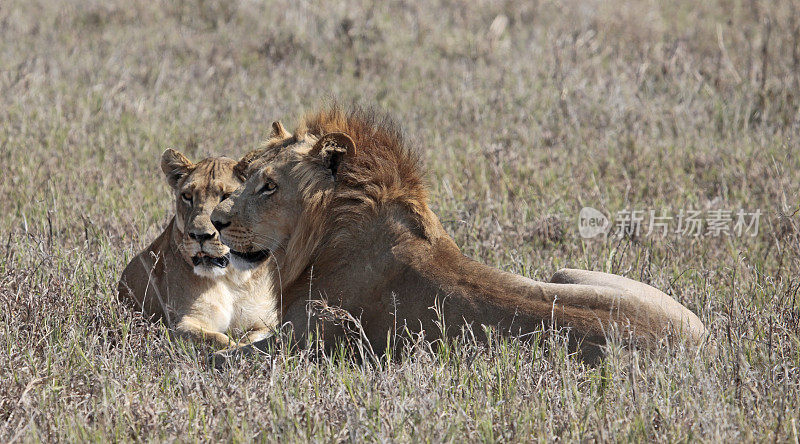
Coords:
183,277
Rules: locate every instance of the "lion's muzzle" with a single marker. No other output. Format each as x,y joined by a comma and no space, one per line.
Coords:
204,259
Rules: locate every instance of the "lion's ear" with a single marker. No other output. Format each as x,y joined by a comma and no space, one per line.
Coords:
278,131
175,166
241,168
333,149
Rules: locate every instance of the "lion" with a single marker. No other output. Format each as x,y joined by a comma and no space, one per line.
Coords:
183,277
341,209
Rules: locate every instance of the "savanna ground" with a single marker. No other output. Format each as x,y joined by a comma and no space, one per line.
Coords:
524,112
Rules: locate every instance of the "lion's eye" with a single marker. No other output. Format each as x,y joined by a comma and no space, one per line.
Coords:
187,197
268,188
225,196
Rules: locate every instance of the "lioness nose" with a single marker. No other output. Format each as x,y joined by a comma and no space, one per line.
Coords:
219,225
200,236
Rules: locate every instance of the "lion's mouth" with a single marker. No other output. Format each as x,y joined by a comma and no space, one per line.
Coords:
204,259
253,256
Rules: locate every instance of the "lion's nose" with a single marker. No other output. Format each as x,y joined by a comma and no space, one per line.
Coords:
219,225
200,236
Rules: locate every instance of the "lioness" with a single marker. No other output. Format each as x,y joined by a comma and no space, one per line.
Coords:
341,208
183,276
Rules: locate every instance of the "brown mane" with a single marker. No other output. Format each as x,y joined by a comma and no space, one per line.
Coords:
385,170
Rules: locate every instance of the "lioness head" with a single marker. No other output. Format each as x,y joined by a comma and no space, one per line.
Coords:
198,188
283,180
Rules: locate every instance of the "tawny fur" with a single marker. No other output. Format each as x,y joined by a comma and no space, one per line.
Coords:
163,283
349,222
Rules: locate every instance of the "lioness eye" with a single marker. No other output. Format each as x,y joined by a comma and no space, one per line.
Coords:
187,197
225,196
268,188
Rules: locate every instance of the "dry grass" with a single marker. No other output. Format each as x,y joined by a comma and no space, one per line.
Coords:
525,111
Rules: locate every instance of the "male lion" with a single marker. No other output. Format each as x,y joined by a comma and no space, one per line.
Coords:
341,208
183,276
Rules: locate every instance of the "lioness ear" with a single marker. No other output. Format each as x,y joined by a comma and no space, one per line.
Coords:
278,131
333,148
241,168
175,165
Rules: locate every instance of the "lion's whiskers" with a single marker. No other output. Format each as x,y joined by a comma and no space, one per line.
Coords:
259,241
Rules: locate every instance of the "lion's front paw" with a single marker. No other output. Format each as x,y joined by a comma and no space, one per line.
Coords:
223,359
220,360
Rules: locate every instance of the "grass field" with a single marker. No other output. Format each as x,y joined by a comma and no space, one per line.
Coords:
524,111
